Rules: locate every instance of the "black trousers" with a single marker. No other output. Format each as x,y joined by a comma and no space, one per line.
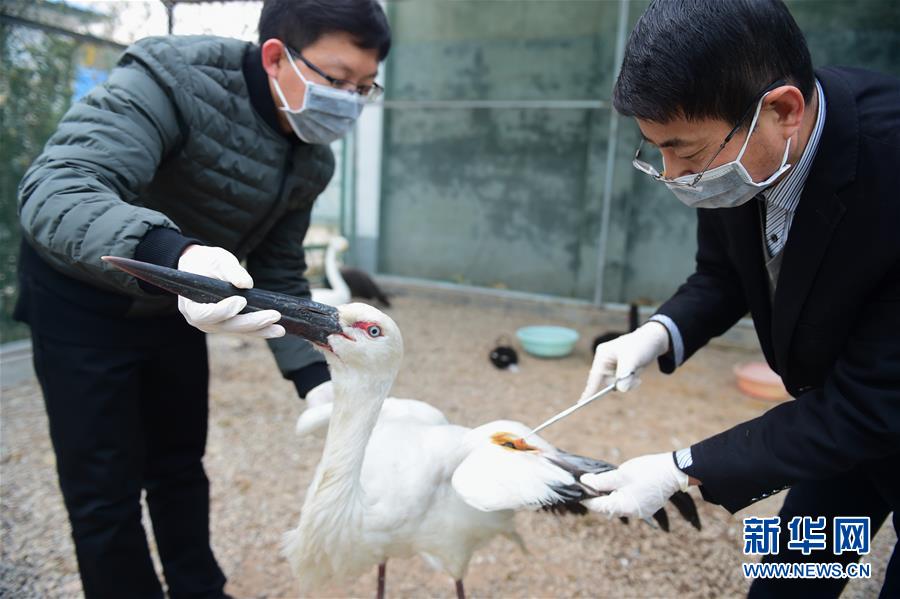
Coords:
123,420
861,492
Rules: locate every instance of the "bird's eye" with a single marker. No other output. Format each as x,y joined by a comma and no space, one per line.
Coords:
374,331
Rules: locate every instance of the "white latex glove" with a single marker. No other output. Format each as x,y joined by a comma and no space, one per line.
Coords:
625,355
224,317
639,487
320,394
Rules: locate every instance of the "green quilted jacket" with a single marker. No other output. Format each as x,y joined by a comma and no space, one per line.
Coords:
171,143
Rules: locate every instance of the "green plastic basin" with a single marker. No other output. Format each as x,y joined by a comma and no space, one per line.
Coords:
547,341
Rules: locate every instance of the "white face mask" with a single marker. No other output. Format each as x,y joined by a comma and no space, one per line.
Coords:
728,185
326,113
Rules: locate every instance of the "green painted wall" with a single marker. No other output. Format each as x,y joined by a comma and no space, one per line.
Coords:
512,197
505,197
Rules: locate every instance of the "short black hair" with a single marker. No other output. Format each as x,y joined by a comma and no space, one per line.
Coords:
698,59
299,23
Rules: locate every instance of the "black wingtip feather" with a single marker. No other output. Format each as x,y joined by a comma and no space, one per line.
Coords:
685,505
662,518
566,508
572,495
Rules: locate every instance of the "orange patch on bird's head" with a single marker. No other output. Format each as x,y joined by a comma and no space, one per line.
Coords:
513,442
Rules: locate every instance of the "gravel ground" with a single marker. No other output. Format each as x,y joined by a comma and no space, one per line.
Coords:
259,469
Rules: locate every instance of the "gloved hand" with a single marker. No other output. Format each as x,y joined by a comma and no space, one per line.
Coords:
625,355
640,486
320,394
224,317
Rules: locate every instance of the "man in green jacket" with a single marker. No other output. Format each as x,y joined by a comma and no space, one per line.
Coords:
197,153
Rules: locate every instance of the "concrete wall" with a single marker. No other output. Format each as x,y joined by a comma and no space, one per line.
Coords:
495,141
503,187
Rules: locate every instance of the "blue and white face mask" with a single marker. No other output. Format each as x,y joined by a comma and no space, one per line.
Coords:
326,113
728,185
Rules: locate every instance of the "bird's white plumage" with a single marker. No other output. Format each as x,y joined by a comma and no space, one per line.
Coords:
494,477
316,418
395,475
339,293
313,419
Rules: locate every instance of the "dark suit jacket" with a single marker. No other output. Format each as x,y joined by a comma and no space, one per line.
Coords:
833,333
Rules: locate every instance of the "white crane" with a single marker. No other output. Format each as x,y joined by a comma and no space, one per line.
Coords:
396,479
340,292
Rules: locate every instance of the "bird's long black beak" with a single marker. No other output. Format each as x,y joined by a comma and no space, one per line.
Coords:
299,316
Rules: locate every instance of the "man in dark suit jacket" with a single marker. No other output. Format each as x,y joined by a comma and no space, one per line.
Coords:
796,175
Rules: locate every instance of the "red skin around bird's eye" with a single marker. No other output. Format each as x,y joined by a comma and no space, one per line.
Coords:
364,325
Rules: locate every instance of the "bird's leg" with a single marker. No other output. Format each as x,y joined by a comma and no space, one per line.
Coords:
381,569
460,591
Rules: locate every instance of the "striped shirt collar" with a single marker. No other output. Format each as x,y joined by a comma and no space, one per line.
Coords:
786,193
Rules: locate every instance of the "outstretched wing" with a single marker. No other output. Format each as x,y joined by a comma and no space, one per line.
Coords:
502,473
576,465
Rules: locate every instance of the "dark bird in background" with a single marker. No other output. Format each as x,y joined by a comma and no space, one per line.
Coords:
345,281
610,335
362,285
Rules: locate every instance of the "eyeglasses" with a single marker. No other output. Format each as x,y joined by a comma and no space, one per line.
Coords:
646,167
368,92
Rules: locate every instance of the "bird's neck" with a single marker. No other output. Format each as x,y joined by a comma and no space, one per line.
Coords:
333,271
357,404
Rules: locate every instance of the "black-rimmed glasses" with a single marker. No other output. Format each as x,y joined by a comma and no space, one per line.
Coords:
368,92
646,167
